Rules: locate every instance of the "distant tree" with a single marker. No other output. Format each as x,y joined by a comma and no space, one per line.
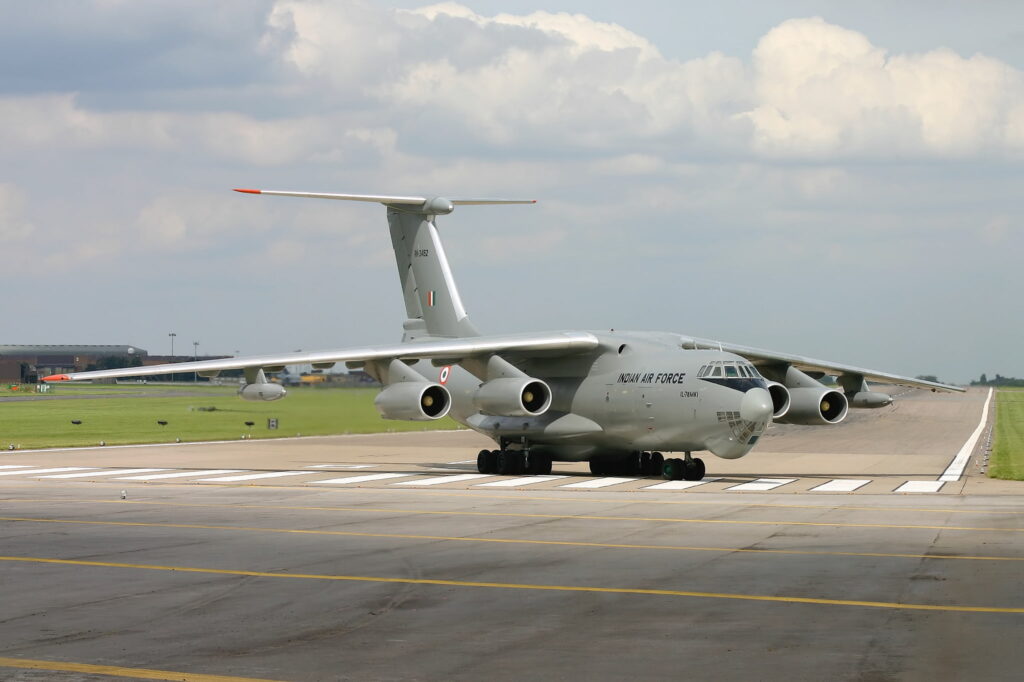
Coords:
983,380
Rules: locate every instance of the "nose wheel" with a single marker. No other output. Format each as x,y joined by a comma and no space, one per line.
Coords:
688,469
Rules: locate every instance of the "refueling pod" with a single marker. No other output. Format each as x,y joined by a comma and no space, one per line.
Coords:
257,388
413,401
265,392
513,397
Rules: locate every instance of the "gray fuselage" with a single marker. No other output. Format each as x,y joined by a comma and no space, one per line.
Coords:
637,392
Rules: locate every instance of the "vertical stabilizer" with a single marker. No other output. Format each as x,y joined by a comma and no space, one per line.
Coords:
432,303
428,286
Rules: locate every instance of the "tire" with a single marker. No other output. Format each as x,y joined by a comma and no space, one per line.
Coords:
506,463
695,471
539,464
598,467
545,466
483,462
657,462
672,469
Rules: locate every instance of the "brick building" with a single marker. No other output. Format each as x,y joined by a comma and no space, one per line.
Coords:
25,364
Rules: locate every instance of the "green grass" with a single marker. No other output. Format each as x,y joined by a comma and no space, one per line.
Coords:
114,415
1007,460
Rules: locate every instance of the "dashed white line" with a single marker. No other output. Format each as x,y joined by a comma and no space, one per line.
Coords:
180,474
342,466
109,472
678,485
33,472
361,479
598,482
253,477
920,487
16,466
443,479
517,482
841,485
762,484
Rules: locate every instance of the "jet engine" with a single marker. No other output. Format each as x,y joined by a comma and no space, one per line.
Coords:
266,392
513,397
780,399
813,406
413,401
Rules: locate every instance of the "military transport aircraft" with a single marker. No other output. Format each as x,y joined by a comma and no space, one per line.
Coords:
614,399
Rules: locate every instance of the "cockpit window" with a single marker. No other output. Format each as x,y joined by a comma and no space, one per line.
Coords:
731,371
745,371
716,372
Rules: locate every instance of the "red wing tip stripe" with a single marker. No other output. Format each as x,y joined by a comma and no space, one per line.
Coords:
57,377
250,191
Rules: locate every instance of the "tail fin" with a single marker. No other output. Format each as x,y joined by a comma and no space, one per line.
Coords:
432,302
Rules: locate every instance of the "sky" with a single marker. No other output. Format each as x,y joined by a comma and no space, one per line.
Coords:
833,179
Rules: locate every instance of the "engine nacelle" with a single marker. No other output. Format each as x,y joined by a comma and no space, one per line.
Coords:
264,392
815,406
870,399
781,400
413,401
513,397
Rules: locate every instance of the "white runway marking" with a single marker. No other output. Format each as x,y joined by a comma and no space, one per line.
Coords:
361,479
15,466
841,485
517,482
598,482
464,461
956,468
112,472
762,484
342,466
443,479
32,472
920,487
180,474
678,485
253,477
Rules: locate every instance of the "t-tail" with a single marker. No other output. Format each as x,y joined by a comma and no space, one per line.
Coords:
433,306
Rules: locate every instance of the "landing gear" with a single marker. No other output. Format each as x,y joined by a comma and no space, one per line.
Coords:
512,462
688,469
636,464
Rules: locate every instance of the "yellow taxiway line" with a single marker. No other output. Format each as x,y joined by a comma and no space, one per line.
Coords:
117,671
510,541
521,586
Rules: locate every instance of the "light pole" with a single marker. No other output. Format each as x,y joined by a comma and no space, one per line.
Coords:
172,335
195,356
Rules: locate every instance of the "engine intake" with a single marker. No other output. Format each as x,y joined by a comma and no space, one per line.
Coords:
513,397
413,401
780,399
815,406
265,392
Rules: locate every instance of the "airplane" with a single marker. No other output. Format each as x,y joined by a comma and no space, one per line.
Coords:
617,400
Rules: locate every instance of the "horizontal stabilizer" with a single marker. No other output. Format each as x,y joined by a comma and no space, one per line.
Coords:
384,199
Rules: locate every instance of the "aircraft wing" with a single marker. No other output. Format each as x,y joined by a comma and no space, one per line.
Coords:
760,356
443,349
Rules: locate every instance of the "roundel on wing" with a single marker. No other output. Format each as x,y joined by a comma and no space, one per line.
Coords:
445,371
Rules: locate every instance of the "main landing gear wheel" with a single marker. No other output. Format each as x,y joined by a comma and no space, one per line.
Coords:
683,469
487,462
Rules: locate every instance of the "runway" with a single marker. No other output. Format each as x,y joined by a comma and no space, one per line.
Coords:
393,578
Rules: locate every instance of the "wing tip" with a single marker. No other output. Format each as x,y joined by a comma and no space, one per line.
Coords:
56,377
250,191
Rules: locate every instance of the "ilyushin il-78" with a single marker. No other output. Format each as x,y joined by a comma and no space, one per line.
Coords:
617,400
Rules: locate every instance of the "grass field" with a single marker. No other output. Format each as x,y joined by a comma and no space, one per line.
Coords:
129,414
1008,445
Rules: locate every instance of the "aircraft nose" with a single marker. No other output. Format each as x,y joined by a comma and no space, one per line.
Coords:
756,405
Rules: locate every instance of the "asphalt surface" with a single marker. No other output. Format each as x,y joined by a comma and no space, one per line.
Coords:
288,578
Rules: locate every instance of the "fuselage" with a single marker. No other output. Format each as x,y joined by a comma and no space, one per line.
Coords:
638,391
